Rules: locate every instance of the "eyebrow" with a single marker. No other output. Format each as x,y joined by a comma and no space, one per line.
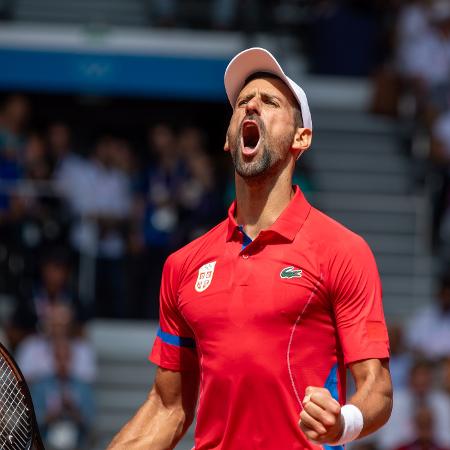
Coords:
266,95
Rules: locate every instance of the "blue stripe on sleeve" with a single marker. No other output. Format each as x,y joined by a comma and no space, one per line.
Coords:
178,341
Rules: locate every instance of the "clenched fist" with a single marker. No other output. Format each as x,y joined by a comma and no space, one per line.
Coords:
321,420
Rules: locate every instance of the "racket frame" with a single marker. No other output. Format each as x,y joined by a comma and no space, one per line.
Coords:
36,440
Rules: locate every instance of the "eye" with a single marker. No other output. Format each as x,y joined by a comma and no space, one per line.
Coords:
242,102
270,101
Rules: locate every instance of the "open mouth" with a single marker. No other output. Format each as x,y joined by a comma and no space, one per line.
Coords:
250,137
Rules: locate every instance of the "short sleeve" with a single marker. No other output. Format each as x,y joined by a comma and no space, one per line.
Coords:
174,346
356,298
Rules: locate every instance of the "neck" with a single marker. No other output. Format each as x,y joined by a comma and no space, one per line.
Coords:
260,201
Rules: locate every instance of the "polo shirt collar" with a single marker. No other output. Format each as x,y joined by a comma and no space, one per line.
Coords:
288,223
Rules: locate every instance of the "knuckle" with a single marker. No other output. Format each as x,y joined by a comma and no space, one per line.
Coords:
328,420
336,408
307,407
311,434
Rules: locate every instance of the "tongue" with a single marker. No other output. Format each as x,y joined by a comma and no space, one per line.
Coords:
249,151
250,139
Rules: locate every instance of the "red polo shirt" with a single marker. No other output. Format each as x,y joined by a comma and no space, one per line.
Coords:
264,321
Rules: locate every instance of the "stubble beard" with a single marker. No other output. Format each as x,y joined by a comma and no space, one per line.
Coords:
254,168
264,162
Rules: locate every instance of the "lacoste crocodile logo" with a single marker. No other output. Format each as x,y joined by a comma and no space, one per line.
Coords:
290,272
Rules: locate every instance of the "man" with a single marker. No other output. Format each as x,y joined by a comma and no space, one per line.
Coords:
264,312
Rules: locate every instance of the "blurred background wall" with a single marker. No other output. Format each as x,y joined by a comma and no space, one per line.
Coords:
112,122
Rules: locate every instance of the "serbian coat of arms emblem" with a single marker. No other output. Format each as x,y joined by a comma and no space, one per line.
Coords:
205,275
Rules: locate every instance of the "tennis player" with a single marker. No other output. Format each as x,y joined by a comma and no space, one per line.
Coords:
261,316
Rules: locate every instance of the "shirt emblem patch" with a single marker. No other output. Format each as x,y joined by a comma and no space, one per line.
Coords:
290,272
205,275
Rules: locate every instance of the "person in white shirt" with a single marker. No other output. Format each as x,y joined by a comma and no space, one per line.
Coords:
428,332
401,428
423,58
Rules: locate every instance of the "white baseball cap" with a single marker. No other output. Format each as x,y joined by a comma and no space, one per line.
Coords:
258,59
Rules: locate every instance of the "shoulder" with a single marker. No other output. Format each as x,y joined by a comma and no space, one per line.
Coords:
341,253
332,236
197,249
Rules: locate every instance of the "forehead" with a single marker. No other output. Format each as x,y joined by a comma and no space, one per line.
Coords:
271,86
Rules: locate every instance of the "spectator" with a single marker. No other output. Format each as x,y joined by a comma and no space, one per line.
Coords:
112,185
36,159
446,377
13,119
63,403
53,288
163,181
63,157
424,426
428,332
99,195
412,26
35,356
199,201
425,61
401,360
400,427
440,160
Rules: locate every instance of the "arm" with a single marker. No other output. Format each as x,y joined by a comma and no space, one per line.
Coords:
373,394
321,419
164,417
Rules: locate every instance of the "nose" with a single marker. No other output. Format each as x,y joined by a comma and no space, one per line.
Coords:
253,106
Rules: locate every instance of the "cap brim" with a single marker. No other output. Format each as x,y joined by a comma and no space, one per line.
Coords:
255,60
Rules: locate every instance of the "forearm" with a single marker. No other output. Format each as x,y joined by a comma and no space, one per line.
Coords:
154,427
374,398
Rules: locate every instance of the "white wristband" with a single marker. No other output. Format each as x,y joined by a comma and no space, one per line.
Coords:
353,424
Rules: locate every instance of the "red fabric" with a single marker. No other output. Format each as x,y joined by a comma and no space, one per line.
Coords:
261,338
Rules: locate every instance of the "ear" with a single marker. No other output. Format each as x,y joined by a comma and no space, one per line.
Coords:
226,146
301,141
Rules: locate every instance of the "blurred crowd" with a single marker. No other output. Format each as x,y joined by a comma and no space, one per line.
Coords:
117,212
84,234
420,366
413,83
420,370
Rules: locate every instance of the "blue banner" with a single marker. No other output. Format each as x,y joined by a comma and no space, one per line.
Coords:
113,74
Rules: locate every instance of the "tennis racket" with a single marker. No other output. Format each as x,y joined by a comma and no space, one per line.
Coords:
18,426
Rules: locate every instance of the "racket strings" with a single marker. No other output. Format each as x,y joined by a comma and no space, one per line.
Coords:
14,431
15,420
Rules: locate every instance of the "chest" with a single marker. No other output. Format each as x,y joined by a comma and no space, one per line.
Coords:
262,288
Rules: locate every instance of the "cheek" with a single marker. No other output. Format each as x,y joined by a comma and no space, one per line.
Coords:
233,128
278,131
